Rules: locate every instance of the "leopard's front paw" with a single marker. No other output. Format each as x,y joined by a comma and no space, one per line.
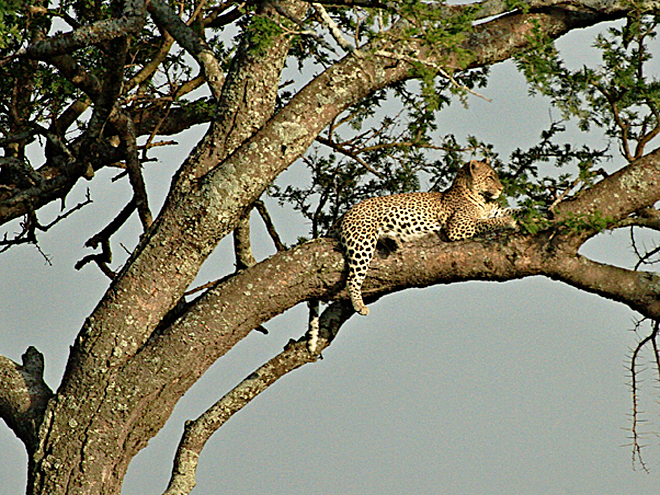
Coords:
513,224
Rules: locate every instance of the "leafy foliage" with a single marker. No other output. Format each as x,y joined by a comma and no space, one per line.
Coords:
616,96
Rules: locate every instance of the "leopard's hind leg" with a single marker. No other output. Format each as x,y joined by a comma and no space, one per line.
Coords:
358,258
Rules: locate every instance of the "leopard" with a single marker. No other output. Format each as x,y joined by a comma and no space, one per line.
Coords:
467,208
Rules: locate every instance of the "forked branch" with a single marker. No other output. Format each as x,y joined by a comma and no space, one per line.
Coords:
102,238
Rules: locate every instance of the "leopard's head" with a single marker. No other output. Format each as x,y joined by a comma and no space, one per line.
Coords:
483,180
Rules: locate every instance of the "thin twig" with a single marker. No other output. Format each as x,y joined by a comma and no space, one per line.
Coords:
31,225
344,151
436,67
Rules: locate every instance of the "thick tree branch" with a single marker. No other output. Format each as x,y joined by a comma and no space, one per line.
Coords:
635,187
219,319
638,290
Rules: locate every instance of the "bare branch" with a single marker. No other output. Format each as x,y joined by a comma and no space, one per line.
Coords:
102,259
270,226
646,258
131,21
24,395
639,290
634,386
196,433
31,225
125,126
334,30
103,239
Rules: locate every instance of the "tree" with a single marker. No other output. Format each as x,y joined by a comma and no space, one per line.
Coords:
99,95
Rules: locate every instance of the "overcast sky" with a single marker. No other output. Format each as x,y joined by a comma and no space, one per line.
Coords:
469,389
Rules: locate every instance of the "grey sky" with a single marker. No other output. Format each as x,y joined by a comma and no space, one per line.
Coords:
469,389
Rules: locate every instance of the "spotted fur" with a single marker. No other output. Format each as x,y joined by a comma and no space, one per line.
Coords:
462,211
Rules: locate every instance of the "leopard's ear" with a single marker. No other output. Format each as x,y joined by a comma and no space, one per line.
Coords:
473,166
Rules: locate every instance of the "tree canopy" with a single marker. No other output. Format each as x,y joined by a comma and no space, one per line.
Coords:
350,92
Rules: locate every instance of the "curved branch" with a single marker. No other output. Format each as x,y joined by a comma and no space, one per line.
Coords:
197,432
227,313
223,316
24,395
637,289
